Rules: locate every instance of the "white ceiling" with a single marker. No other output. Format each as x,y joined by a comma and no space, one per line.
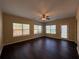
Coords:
33,9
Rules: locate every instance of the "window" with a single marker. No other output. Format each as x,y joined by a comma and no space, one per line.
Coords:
20,29
40,29
26,29
64,32
37,29
48,29
17,29
51,29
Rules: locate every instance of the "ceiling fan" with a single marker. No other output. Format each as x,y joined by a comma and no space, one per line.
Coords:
45,17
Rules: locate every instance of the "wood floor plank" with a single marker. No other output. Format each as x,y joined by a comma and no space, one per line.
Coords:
41,48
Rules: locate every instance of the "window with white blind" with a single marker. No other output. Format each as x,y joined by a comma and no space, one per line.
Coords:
17,29
20,29
48,29
26,29
37,29
51,29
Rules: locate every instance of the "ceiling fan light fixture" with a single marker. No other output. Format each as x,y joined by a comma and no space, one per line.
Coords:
44,17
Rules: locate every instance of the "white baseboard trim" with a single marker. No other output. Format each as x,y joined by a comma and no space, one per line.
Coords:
15,42
19,41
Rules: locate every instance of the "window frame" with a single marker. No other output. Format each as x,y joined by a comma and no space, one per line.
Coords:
54,28
21,29
39,30
26,29
50,29
14,35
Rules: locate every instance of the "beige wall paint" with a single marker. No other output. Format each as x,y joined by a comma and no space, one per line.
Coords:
8,31
0,28
72,26
77,30
0,31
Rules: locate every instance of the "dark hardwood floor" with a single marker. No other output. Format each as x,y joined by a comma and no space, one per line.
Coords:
41,48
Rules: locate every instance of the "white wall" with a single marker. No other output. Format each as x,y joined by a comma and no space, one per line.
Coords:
78,30
0,32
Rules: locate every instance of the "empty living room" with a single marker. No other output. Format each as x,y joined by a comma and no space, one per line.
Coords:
39,29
